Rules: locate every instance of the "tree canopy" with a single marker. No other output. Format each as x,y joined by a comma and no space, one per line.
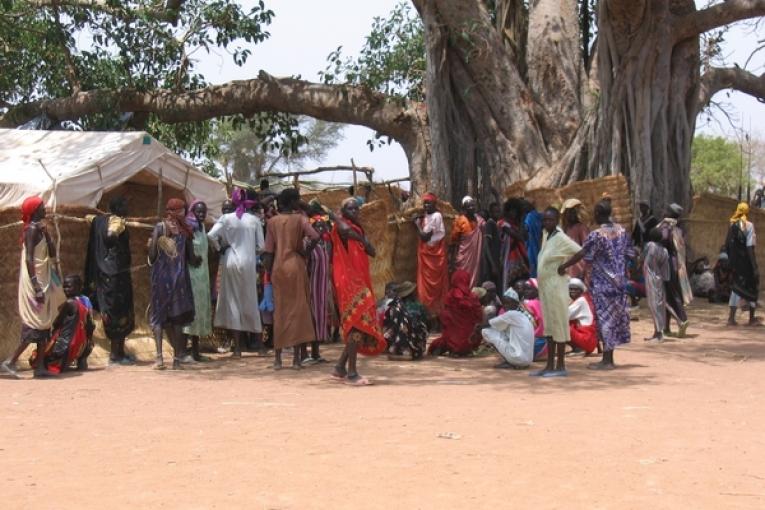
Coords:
717,166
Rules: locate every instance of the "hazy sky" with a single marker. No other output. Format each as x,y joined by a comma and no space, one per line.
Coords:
304,32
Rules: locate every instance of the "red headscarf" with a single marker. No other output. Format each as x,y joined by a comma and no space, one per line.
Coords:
461,313
429,197
28,208
176,204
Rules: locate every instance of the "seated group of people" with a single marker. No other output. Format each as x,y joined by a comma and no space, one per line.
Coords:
512,324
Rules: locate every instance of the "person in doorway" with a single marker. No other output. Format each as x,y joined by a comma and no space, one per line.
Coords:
678,289
40,293
240,233
285,259
432,264
643,225
467,241
72,338
581,318
171,252
740,245
353,289
512,333
557,247
108,281
607,250
200,280
656,274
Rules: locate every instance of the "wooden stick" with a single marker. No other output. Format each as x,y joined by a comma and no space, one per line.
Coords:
320,169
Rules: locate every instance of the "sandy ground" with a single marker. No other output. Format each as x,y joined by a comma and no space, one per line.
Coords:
679,425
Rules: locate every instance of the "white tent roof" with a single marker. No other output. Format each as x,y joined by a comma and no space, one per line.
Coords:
87,164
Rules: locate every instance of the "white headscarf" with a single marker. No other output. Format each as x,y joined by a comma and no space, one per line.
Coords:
577,284
467,200
511,294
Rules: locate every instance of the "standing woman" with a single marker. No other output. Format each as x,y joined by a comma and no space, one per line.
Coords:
678,288
40,289
320,272
171,251
432,264
576,230
285,260
467,241
740,246
200,280
353,288
607,250
513,255
108,282
553,292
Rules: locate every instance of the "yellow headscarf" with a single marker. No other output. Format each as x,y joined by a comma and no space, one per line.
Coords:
741,211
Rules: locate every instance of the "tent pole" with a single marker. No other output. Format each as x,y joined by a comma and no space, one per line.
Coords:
55,216
159,194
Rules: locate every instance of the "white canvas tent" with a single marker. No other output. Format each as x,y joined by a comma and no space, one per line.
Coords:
82,166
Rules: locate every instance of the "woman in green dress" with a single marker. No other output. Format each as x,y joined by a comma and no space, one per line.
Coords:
200,280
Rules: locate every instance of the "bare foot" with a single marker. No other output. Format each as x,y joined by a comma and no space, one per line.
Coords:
159,364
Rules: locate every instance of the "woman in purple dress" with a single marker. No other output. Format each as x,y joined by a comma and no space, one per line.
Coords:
172,301
607,250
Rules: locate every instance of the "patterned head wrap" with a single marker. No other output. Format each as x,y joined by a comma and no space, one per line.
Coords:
239,198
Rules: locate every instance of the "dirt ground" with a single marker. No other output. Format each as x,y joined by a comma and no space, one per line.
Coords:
679,425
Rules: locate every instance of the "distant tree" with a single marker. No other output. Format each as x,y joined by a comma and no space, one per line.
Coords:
246,153
716,166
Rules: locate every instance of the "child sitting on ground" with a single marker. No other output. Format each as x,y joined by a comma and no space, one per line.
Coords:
72,334
581,316
512,333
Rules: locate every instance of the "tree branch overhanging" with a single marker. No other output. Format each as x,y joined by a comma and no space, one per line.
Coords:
333,103
716,79
169,12
716,16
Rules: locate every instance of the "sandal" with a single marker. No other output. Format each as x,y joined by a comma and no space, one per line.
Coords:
357,381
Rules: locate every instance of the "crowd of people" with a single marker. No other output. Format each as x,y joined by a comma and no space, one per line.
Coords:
276,272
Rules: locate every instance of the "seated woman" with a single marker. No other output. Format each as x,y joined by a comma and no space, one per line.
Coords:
723,275
72,335
532,304
581,317
404,324
460,318
512,333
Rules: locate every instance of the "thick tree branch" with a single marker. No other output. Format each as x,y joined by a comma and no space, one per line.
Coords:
718,78
718,15
333,103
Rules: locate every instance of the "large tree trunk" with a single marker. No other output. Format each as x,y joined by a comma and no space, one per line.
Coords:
484,130
645,118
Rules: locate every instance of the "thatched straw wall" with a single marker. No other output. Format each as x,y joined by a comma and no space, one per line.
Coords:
333,198
374,219
708,224
588,192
